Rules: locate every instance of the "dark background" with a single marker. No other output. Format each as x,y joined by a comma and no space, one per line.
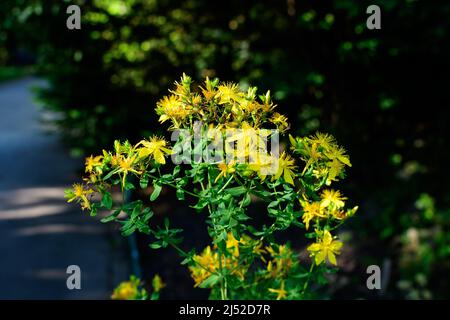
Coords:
384,94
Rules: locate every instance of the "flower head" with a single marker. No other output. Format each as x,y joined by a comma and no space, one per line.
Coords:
311,211
286,168
332,198
156,147
281,292
325,248
93,162
228,92
225,169
129,290
79,193
205,264
171,108
157,283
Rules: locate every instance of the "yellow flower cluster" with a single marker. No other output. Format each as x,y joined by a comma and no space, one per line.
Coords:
208,263
322,155
281,262
128,290
220,103
205,264
126,159
331,205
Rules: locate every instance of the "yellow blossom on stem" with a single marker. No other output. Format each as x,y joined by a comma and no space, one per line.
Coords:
171,108
233,244
281,293
205,264
129,290
333,198
325,248
311,211
286,168
324,140
339,153
92,162
157,283
79,194
125,166
156,147
225,169
280,121
228,92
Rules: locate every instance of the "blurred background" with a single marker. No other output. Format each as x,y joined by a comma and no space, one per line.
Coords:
384,94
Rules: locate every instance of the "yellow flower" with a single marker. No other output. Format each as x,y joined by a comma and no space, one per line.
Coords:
92,162
281,293
249,140
170,107
208,91
333,198
311,211
228,92
156,147
129,290
283,259
286,168
335,168
337,152
280,121
205,264
126,291
225,169
312,155
157,283
125,166
259,251
325,248
325,140
262,164
79,193
233,244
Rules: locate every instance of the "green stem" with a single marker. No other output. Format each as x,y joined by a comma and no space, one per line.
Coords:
225,185
305,286
174,186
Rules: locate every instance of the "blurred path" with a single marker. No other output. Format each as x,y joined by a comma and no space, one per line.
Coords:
40,234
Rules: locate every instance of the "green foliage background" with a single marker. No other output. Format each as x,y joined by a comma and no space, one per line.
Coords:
382,93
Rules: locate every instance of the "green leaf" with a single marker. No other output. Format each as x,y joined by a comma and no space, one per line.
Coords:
262,194
156,191
247,200
210,281
155,245
143,183
109,175
176,170
107,200
129,186
111,217
166,223
236,191
202,202
180,194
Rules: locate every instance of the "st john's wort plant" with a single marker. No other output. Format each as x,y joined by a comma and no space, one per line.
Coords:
225,170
